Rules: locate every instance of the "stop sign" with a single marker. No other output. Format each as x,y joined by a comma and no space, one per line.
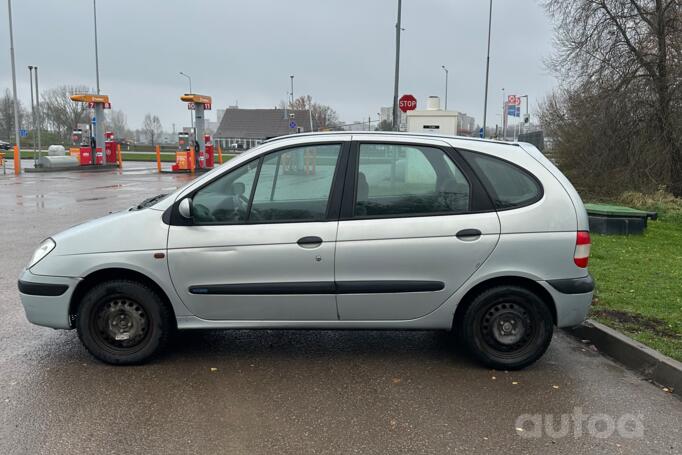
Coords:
407,103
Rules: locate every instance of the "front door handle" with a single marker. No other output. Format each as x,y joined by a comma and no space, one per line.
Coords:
309,242
468,234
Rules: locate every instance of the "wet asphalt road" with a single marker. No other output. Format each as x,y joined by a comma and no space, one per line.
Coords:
285,391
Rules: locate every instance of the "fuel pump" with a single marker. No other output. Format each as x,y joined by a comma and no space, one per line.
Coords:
96,142
182,156
210,152
109,147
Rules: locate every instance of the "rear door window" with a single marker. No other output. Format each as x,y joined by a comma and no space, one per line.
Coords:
407,180
509,185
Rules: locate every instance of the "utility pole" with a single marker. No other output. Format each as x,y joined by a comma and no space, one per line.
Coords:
38,114
487,68
94,12
33,114
446,86
397,67
14,83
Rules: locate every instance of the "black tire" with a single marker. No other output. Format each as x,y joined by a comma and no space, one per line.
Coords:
507,327
123,322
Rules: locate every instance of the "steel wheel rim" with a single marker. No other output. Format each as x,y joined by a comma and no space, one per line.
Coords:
507,328
120,324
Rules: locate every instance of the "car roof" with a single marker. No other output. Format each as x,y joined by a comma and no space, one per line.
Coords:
392,134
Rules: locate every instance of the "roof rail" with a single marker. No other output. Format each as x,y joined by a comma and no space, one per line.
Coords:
391,133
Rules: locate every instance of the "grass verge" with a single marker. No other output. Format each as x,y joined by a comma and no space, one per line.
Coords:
639,279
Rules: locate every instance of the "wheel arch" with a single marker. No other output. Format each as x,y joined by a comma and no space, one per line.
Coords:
524,282
115,273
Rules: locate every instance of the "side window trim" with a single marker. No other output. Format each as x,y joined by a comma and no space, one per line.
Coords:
480,201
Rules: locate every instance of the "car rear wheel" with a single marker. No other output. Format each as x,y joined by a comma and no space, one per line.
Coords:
507,327
123,322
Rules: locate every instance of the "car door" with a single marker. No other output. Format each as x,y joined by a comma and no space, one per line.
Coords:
261,242
415,225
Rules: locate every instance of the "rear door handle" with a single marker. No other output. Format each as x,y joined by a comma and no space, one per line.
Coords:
468,234
309,242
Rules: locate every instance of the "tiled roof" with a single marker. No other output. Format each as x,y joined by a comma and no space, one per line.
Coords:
260,123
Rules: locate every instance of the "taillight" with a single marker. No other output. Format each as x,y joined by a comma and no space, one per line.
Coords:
582,249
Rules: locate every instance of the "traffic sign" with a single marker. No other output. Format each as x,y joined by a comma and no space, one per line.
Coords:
514,100
513,111
292,124
480,132
407,103
94,120
23,133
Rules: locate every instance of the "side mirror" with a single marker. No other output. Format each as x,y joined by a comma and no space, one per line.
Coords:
185,208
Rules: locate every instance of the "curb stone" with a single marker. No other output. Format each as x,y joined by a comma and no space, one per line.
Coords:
653,365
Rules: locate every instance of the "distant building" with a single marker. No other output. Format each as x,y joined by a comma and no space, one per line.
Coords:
466,125
386,114
435,120
242,129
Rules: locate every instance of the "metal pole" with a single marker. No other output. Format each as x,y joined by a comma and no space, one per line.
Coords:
525,127
94,12
191,117
397,67
33,114
292,91
487,69
38,114
14,76
446,87
504,117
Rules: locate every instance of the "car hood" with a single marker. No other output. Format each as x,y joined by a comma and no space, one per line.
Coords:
130,230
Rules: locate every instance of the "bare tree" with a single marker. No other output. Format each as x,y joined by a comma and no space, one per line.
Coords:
118,123
152,128
61,114
7,116
324,117
620,64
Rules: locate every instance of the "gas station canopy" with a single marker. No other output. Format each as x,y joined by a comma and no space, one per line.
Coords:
194,98
90,98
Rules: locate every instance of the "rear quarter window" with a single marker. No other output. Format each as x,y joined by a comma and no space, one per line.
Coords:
509,185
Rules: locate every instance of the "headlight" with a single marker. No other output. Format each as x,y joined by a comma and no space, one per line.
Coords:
42,251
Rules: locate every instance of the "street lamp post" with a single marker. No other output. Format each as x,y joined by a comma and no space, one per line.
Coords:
33,113
446,86
397,67
487,68
94,13
189,78
39,116
292,91
14,82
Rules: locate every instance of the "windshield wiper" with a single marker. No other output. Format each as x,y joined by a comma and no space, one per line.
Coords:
150,201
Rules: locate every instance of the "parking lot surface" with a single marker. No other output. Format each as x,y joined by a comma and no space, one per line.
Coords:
289,391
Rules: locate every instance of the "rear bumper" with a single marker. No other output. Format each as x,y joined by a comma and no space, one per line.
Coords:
573,285
46,299
572,299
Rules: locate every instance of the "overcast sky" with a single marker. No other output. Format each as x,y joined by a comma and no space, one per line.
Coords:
340,51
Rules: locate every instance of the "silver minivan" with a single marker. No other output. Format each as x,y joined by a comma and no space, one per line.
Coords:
332,231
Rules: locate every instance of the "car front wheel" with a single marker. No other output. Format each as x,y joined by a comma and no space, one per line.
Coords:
123,322
507,327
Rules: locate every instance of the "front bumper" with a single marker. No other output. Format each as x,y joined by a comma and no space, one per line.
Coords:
572,299
46,299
